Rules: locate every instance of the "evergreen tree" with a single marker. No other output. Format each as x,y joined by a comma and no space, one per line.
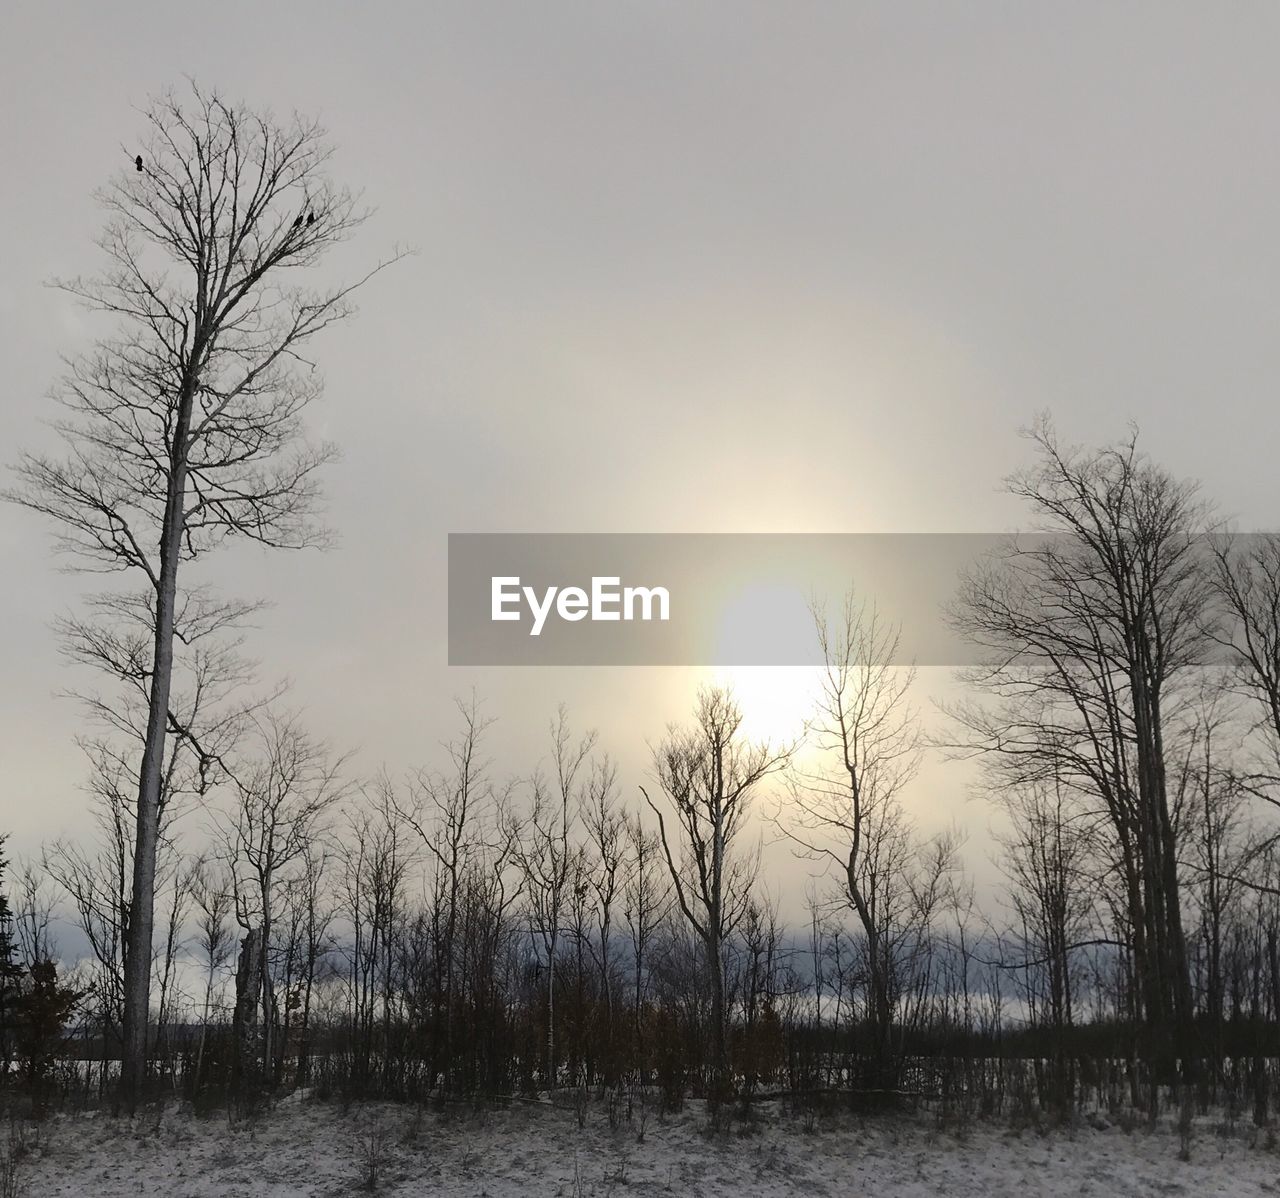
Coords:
10,972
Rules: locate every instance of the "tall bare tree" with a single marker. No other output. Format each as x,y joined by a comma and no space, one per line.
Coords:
845,807
1093,633
707,776
183,428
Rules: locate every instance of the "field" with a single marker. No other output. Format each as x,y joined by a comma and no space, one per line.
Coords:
303,1147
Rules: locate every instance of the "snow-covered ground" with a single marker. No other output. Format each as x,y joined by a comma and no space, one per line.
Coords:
309,1148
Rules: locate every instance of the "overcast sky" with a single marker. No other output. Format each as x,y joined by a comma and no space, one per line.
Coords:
706,267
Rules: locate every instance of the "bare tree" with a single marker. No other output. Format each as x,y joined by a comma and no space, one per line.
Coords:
1247,579
375,860
96,882
1092,633
178,893
845,807
707,776
448,811
311,917
546,854
213,899
184,428
282,797
646,895
34,905
606,829
1047,858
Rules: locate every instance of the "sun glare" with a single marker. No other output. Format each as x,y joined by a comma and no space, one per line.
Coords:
768,622
775,700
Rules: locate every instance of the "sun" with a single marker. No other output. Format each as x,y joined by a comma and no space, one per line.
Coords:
775,700
768,624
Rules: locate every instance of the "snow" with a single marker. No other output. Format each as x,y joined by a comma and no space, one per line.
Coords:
311,1148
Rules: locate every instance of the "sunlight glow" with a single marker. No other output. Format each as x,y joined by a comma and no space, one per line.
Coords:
771,621
775,700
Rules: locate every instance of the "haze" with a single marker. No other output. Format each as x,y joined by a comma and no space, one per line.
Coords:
740,268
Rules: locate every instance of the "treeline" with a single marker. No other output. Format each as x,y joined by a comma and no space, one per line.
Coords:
451,933
254,918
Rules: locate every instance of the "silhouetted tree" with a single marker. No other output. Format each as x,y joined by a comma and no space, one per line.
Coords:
183,428
707,776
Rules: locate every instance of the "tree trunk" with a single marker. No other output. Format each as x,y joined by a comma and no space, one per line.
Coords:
248,994
719,1053
138,936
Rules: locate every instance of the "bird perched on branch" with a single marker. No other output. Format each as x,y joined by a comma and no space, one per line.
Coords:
137,162
297,224
311,218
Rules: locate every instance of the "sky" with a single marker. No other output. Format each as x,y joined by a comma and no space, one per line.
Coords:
714,267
